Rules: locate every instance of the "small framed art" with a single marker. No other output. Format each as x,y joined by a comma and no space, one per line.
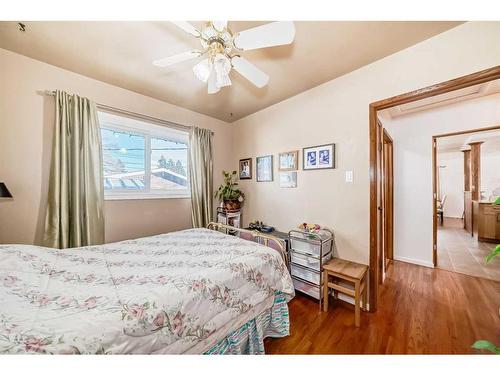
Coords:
288,161
288,179
318,157
264,168
246,169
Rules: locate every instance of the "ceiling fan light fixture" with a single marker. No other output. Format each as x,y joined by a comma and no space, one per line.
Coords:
202,70
212,83
219,46
214,71
222,67
223,80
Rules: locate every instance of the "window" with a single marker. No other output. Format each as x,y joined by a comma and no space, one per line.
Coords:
143,160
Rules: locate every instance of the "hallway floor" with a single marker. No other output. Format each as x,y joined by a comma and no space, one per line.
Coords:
459,252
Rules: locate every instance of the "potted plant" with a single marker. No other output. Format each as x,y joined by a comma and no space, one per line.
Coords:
484,344
228,194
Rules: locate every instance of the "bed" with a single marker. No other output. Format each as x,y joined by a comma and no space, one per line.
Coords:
192,291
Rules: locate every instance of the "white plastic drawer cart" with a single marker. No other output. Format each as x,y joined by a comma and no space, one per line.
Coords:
308,252
227,217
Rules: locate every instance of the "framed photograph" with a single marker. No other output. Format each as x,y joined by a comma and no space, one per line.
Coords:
265,168
246,169
319,157
289,161
288,179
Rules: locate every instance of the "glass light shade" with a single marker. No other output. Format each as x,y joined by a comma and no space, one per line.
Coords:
212,83
214,72
202,70
222,67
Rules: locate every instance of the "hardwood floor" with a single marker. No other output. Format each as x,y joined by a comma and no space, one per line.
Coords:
421,311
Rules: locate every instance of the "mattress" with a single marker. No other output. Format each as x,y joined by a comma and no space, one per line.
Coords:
173,293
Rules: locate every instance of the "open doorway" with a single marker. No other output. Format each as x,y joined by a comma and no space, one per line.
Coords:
466,168
429,136
376,243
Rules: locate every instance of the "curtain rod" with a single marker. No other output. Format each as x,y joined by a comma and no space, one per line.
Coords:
136,115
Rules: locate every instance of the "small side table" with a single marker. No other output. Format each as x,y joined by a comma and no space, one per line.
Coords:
339,270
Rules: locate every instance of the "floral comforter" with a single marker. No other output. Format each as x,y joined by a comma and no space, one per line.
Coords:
173,293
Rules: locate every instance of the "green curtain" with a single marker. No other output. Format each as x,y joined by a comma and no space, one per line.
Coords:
76,193
201,176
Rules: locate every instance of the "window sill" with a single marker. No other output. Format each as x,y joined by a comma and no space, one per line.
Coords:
120,197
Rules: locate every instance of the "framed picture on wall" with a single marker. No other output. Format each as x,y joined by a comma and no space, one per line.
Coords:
288,161
288,179
246,169
265,168
318,157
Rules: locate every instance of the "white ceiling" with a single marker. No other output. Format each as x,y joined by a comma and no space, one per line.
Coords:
456,96
121,53
460,142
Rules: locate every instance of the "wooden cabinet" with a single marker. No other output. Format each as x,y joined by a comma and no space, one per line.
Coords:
487,222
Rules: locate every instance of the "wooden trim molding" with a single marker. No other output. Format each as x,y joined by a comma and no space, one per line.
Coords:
426,92
440,88
470,131
466,170
434,201
475,170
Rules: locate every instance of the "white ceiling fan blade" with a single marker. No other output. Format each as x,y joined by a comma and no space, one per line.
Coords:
269,35
250,71
180,57
187,27
219,25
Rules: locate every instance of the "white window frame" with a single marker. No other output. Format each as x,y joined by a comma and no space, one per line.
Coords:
147,130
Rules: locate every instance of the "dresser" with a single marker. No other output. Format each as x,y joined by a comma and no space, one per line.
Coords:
308,253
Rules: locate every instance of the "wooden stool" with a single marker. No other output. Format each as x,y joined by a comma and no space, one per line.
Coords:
342,270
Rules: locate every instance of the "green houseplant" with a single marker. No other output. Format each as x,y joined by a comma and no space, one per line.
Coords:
228,194
484,344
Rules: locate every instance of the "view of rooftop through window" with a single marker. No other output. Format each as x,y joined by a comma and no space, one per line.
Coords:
125,163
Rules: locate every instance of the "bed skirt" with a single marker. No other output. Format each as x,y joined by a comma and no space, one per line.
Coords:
249,338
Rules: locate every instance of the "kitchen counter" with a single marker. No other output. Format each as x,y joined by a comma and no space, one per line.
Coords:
486,221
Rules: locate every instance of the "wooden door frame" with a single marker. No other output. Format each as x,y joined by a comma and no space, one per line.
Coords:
426,92
435,180
388,201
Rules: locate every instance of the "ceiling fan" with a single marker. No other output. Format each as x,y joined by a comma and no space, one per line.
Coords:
221,49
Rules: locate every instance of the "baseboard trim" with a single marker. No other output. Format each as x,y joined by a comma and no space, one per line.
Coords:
414,261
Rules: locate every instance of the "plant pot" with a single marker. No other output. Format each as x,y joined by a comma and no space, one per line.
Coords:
232,204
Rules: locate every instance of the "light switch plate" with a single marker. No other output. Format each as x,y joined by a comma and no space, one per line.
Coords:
349,176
